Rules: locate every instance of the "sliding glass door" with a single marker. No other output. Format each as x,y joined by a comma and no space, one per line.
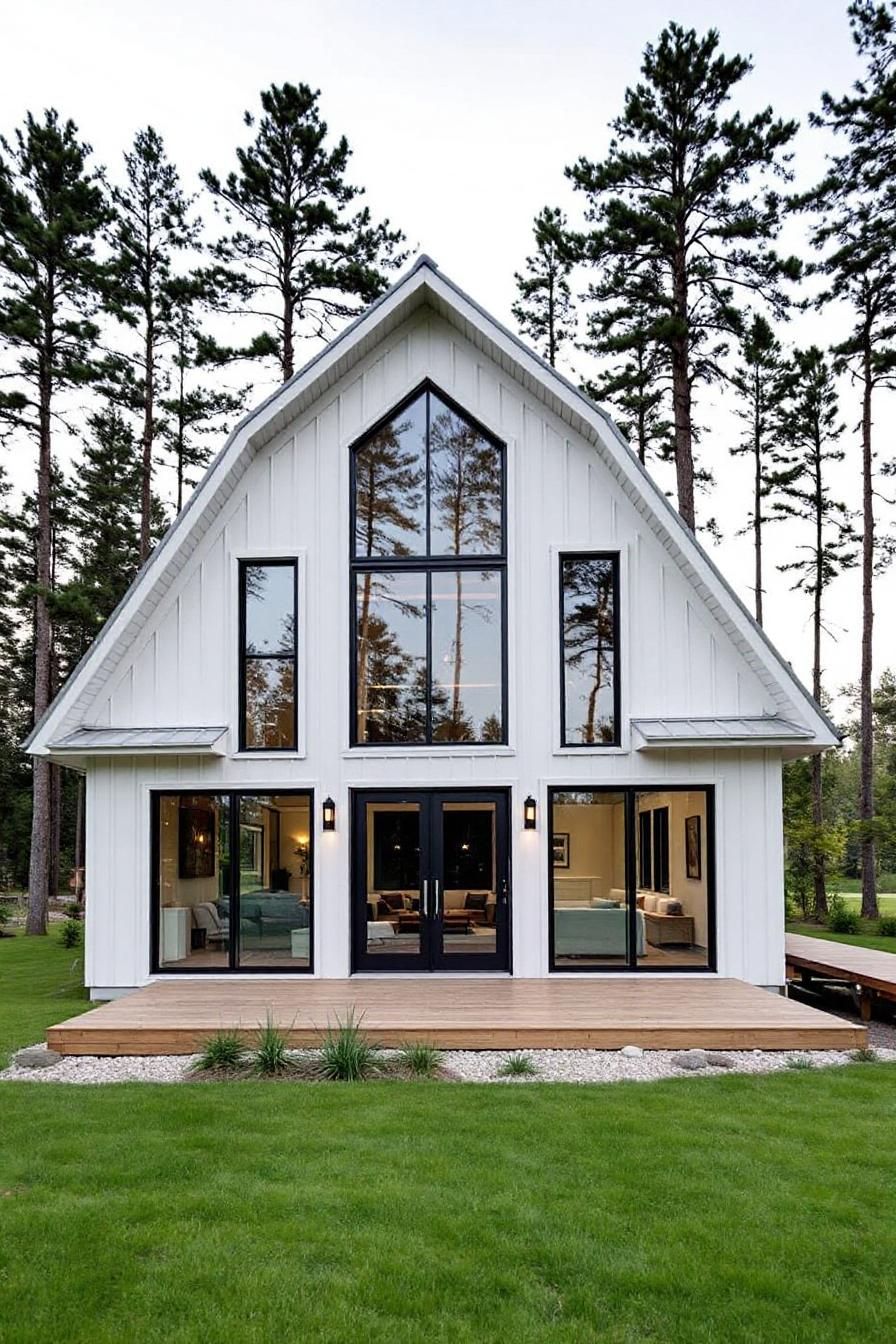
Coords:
631,879
232,888
430,881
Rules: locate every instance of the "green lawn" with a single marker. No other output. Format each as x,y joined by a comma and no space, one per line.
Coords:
41,982
718,1209
867,938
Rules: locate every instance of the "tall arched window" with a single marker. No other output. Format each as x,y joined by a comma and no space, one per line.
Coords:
428,578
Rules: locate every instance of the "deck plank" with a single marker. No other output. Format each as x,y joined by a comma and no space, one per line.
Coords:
842,961
175,1017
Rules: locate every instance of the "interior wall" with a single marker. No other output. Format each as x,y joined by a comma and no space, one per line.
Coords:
596,850
692,892
177,890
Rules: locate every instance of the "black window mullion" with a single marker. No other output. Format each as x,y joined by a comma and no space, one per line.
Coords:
233,865
429,657
428,489
631,903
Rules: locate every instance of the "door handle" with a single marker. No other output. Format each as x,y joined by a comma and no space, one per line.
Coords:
438,894
426,898
503,892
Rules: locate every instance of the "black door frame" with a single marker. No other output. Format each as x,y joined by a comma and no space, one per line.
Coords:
432,956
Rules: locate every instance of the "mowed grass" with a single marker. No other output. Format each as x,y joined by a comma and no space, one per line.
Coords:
868,935
41,982
717,1209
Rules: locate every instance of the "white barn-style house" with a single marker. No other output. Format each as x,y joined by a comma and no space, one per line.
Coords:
429,677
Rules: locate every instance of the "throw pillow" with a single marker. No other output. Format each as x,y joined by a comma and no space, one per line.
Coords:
600,903
650,904
670,907
476,900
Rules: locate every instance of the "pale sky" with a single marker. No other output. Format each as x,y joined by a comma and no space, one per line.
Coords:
462,118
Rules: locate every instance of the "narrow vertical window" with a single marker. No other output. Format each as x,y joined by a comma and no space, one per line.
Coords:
589,635
268,655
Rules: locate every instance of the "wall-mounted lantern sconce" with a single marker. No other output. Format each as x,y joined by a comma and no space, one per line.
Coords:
329,810
529,814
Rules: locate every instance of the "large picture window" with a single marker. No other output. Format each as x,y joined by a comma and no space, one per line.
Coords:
631,879
268,655
589,637
232,881
428,579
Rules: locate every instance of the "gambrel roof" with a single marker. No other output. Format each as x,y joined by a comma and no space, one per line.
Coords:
425,286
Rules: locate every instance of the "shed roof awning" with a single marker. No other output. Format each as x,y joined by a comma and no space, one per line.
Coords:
718,732
136,741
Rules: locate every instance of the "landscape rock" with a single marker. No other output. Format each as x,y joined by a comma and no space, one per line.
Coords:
36,1057
691,1060
716,1059
631,1051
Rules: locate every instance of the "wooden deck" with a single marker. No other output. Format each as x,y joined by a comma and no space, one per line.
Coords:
460,1012
872,972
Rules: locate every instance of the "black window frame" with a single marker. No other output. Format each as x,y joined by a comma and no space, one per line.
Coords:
233,797
613,557
426,565
268,562
630,965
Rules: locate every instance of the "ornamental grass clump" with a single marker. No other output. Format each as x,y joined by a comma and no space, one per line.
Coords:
346,1056
420,1059
518,1066
270,1057
222,1053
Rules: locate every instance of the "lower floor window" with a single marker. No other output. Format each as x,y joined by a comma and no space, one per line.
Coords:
631,879
233,881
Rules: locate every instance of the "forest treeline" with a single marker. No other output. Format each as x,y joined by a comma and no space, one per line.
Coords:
136,309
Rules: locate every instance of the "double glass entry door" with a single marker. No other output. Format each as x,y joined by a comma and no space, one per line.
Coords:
431,881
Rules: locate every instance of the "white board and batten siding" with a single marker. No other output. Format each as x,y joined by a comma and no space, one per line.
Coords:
293,500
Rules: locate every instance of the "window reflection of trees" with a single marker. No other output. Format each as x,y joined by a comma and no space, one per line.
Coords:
427,484
589,646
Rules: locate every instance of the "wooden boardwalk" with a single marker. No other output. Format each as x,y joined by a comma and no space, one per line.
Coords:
175,1017
872,972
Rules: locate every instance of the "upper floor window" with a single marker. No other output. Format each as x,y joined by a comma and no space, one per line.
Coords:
268,655
589,670
428,578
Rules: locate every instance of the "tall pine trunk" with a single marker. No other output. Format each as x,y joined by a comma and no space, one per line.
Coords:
41,810
757,497
866,730
819,873
146,439
681,397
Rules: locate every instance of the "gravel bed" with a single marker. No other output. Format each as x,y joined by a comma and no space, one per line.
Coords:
477,1066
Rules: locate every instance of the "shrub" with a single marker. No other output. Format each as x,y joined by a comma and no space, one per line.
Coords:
420,1059
5,916
799,1062
518,1066
841,917
70,934
865,1055
886,926
346,1056
73,910
224,1052
271,1054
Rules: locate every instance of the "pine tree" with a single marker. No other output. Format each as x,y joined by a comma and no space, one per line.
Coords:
856,233
682,214
152,226
193,410
297,257
52,210
633,372
756,380
104,519
544,309
808,424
